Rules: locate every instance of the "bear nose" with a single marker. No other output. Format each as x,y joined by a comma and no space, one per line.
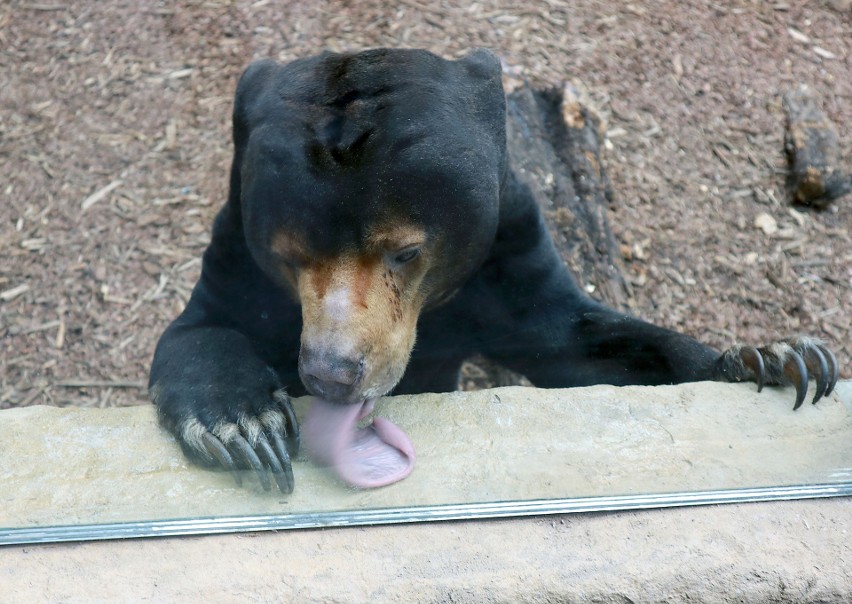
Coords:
330,375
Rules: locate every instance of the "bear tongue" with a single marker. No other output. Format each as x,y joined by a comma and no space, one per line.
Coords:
375,456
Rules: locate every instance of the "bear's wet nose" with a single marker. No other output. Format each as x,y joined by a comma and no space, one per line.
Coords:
329,375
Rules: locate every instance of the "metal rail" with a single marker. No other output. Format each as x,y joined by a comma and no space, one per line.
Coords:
401,515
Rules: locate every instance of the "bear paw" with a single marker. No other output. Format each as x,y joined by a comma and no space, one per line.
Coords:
785,363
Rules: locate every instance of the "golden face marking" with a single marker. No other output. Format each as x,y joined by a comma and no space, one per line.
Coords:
291,253
363,306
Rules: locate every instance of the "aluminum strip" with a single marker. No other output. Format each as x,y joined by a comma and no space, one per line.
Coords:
463,511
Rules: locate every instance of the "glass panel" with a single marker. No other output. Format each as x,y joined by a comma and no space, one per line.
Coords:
507,451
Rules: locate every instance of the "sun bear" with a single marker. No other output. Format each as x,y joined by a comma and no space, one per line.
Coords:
374,237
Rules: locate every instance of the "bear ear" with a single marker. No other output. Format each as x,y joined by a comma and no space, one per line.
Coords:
482,63
484,74
250,88
252,82
255,74
488,101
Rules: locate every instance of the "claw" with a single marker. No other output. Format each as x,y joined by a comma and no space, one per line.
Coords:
835,369
818,367
754,361
797,373
251,458
293,437
274,464
215,448
284,457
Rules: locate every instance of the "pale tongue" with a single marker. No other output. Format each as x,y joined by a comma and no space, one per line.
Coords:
375,456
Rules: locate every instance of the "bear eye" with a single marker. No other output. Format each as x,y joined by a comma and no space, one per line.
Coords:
406,255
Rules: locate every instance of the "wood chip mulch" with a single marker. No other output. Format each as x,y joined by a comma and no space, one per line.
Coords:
115,148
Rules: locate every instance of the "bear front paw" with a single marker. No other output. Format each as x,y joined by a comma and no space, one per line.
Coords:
786,363
260,439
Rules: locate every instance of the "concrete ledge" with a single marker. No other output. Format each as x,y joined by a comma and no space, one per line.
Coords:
90,463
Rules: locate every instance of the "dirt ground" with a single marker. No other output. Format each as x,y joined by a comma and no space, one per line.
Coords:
115,148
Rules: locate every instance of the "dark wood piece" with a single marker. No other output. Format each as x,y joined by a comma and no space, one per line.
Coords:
816,177
556,144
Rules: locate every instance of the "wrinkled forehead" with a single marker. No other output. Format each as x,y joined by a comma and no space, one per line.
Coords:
379,202
402,80
352,143
352,111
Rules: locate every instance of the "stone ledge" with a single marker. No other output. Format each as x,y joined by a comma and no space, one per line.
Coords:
789,551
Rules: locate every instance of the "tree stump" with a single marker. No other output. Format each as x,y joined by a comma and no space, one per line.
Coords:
555,144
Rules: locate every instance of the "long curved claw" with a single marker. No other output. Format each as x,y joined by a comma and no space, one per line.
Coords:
294,439
274,463
834,369
818,367
754,361
265,451
250,457
264,456
797,373
284,458
215,448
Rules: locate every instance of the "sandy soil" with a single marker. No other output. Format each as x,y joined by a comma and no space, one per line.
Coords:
115,145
